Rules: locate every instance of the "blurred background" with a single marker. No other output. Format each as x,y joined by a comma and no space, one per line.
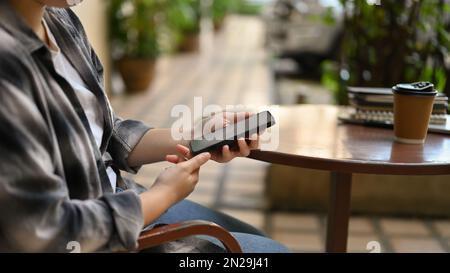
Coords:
160,53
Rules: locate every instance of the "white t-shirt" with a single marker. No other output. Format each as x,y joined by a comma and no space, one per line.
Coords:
87,98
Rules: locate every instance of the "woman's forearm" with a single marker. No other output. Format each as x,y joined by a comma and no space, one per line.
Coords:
154,147
155,202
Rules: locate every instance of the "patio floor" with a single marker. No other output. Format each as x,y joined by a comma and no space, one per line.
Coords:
233,68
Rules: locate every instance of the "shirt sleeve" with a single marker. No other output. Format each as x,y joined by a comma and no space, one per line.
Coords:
126,135
37,213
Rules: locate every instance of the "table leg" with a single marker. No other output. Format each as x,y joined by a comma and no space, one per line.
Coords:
339,212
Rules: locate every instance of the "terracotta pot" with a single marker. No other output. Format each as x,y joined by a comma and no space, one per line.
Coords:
218,24
190,43
137,73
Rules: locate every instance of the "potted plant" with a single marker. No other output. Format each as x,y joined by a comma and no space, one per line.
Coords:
183,17
134,41
397,41
219,11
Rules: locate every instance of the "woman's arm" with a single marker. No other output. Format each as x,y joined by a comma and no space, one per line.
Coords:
153,147
156,144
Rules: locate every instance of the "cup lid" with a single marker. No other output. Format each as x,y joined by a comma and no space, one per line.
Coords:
415,89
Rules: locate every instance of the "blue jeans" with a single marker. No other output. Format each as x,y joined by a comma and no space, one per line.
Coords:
251,239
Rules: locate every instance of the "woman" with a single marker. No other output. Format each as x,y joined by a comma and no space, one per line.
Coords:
62,147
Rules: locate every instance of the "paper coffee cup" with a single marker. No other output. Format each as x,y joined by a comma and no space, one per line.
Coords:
412,113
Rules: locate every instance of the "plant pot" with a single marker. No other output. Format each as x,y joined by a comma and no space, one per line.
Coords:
136,73
190,43
218,24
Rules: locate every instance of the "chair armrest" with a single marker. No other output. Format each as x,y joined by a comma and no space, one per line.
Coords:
167,233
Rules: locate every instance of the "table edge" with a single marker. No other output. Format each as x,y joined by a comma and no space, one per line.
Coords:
350,166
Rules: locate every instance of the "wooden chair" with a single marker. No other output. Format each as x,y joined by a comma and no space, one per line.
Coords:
167,233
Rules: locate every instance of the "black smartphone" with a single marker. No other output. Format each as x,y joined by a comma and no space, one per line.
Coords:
230,134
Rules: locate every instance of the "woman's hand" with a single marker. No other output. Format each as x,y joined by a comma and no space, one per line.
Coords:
181,179
226,154
172,185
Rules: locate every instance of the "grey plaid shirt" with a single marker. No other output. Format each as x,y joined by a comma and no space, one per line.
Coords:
53,183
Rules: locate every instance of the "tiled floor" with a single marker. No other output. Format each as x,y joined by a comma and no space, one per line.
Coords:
233,68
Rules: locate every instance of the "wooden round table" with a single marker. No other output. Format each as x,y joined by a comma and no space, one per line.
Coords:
310,136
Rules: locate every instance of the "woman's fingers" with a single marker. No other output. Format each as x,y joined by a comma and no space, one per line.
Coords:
185,154
226,153
222,123
184,151
244,115
196,162
236,116
254,142
215,123
244,150
173,159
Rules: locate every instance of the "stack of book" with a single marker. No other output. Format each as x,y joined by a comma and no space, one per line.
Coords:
377,104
